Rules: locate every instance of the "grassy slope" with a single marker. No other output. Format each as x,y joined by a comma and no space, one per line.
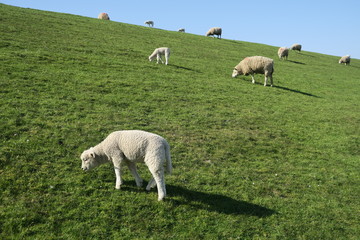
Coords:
249,161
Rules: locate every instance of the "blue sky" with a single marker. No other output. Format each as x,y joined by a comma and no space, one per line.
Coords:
323,26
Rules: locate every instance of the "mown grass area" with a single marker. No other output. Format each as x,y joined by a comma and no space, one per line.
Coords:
250,162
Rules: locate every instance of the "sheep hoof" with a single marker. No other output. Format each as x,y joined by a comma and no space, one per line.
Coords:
139,184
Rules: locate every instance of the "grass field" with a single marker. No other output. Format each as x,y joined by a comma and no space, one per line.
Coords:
250,162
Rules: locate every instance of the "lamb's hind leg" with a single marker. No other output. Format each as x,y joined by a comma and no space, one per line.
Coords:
158,178
167,56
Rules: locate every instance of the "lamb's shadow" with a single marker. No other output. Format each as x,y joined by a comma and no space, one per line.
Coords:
183,68
215,202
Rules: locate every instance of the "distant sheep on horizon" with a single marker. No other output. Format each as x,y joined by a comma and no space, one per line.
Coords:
296,47
181,30
214,31
283,53
104,16
255,64
345,59
149,23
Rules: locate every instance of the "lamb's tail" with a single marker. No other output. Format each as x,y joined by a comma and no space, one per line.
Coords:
168,159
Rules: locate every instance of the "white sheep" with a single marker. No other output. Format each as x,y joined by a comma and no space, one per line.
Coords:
345,60
214,31
181,30
158,52
149,23
130,147
283,53
104,16
296,47
255,64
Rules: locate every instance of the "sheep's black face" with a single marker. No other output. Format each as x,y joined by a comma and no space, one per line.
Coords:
88,160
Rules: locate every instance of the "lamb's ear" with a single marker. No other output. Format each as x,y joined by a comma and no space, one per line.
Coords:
92,154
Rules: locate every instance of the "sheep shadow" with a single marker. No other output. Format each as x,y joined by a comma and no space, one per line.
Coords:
296,91
296,62
288,89
215,202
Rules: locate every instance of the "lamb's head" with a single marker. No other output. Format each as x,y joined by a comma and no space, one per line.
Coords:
236,72
89,160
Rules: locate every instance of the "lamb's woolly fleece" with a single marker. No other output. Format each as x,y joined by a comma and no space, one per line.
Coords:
104,16
345,59
296,46
283,52
214,31
130,147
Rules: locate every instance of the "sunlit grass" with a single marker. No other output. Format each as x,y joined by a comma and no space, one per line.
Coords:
250,162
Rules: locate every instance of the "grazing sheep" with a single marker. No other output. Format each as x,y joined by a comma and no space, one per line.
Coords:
283,53
149,23
256,64
130,147
181,30
103,16
296,47
158,52
345,60
214,31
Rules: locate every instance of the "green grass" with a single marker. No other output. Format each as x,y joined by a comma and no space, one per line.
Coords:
250,162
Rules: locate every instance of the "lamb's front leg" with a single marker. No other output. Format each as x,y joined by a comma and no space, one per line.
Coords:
158,57
132,168
119,181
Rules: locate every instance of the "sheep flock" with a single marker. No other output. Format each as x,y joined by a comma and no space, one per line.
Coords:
131,146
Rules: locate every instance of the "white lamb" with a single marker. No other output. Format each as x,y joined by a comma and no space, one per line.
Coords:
345,60
104,16
130,147
214,31
296,47
149,23
158,52
283,53
256,64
